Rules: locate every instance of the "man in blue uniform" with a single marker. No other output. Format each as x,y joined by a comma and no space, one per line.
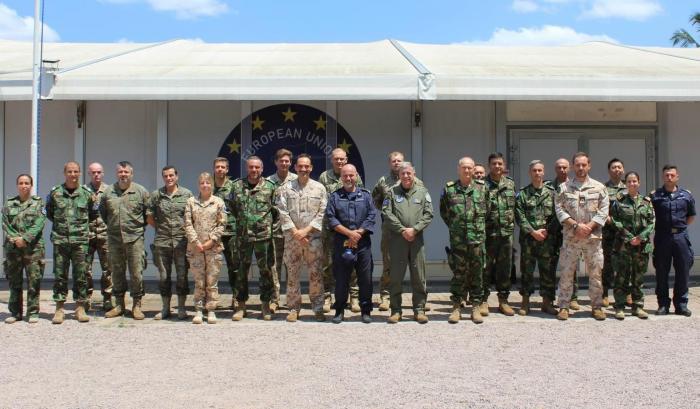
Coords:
675,211
352,216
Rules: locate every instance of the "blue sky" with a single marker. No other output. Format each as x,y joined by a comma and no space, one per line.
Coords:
514,22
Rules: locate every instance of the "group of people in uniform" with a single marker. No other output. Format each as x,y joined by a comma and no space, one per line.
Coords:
290,221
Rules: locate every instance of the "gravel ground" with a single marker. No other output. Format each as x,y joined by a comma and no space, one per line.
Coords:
529,362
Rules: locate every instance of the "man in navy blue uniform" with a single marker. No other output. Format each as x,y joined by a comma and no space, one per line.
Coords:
675,211
352,215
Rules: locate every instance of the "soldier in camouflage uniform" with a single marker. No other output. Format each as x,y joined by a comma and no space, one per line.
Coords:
464,204
255,212
97,242
166,213
70,207
302,205
633,219
330,179
23,218
123,207
407,211
534,212
581,205
615,187
283,160
379,193
479,172
500,224
223,186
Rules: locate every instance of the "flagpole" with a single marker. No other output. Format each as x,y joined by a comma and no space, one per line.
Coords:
36,95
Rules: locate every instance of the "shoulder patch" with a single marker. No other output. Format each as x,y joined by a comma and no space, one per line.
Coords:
647,199
428,198
450,183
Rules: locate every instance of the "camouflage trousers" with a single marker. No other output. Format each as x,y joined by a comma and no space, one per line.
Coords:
538,254
327,238
554,264
205,270
467,264
609,269
163,259
297,255
412,255
99,246
499,260
279,265
123,256
264,251
232,263
18,261
385,280
593,256
67,256
631,264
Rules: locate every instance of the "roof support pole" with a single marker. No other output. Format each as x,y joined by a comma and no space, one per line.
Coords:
417,136
2,166
79,138
332,129
161,108
36,96
246,133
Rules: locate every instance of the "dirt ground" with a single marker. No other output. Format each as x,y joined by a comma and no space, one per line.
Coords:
507,362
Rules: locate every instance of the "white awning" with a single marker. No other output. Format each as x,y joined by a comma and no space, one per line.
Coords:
383,70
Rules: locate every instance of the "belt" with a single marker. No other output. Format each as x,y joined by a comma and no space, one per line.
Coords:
675,230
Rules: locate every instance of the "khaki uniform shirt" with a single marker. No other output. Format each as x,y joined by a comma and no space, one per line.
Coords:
205,220
274,178
302,206
584,202
124,211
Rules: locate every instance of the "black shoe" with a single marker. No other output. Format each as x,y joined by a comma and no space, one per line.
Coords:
366,319
683,311
338,318
663,310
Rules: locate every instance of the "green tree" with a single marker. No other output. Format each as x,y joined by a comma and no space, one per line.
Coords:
683,38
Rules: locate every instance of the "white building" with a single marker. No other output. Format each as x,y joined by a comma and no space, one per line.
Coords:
177,103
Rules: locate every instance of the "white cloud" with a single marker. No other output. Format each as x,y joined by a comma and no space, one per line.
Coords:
183,9
524,6
16,27
638,10
540,36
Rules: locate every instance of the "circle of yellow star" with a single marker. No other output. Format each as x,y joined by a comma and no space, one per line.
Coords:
234,146
258,123
345,146
320,123
289,115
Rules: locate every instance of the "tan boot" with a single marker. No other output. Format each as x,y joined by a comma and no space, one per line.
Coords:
211,317
198,318
598,314
59,314
606,302
165,309
574,305
118,309
548,307
619,314
327,303
384,303
240,312
354,304
293,316
639,312
394,318
563,314
80,313
421,318
525,306
456,314
504,308
274,305
484,309
266,313
181,311
476,316
136,312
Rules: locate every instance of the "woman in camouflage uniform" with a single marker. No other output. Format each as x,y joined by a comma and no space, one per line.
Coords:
23,221
205,217
633,218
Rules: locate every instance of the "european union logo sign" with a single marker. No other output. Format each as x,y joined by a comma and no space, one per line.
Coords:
296,127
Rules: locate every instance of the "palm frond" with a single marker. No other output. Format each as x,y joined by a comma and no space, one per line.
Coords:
682,38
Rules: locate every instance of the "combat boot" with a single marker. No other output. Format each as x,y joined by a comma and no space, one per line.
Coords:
197,315
354,304
563,314
383,302
59,314
421,318
548,307
525,306
327,303
165,310
476,316
265,310
293,316
107,302
639,312
211,317
33,319
619,314
504,308
136,312
240,311
181,312
456,314
11,320
484,309
80,313
274,305
598,314
574,305
606,302
394,318
118,308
